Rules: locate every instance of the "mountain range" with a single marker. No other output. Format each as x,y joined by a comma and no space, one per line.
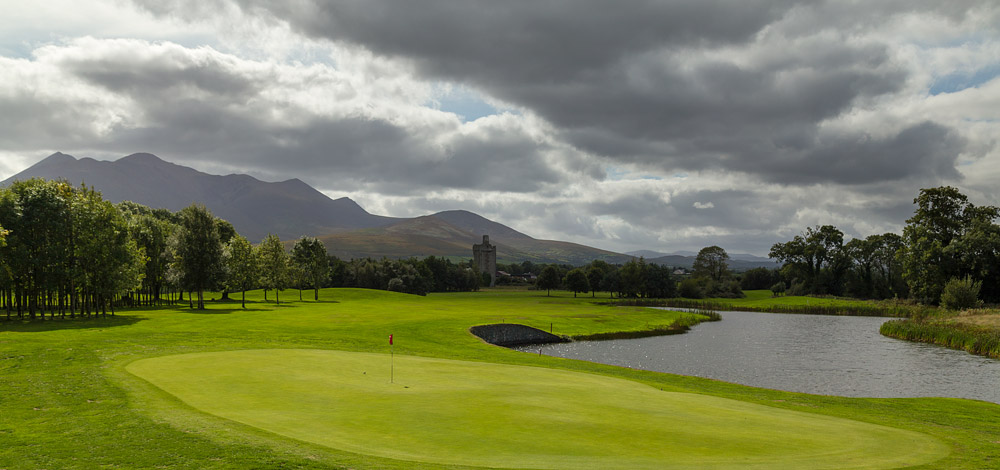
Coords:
292,209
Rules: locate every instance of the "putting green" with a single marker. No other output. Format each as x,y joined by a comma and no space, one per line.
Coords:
494,415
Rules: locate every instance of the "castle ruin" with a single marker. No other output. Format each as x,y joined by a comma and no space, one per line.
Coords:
485,256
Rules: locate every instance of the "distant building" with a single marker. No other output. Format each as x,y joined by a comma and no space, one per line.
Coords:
485,256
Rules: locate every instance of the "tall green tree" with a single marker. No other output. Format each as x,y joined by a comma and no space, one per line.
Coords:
876,270
576,281
595,275
109,261
273,265
152,235
612,282
979,251
199,251
43,210
758,278
242,266
930,256
816,258
712,263
660,282
632,280
310,256
548,280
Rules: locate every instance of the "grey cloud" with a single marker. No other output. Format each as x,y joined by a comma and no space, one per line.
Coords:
191,106
342,153
30,120
925,152
644,82
507,42
168,72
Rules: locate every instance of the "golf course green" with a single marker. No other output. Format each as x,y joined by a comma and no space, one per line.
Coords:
305,384
493,415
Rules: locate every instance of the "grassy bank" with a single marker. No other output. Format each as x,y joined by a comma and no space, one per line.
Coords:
764,301
69,401
976,331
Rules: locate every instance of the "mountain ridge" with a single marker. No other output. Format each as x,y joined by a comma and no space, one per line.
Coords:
292,209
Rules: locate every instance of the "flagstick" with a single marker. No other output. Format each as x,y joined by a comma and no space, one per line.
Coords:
392,359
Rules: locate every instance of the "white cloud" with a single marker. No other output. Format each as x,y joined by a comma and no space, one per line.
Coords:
779,117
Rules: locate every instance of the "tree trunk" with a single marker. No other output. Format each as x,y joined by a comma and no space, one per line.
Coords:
244,298
201,299
316,294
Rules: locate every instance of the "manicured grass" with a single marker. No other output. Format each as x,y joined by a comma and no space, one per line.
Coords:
67,400
474,413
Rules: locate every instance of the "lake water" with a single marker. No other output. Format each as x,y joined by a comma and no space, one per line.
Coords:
819,354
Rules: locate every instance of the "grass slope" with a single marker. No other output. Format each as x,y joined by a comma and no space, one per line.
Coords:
493,415
67,401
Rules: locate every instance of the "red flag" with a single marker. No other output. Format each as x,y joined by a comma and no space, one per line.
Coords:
390,340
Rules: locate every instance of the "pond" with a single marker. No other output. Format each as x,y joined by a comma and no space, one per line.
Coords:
818,354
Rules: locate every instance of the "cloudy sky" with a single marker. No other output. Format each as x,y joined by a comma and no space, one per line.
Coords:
664,125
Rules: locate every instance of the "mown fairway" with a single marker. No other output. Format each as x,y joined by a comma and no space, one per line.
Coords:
69,400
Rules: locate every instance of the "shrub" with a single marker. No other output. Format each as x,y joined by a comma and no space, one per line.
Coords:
798,288
731,289
690,288
960,294
778,289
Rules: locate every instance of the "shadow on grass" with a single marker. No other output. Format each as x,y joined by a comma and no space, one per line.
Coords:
59,323
222,311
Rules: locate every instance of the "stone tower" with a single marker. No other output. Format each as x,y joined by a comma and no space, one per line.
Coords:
485,256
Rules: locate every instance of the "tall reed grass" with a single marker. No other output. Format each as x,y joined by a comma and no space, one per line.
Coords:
983,341
873,310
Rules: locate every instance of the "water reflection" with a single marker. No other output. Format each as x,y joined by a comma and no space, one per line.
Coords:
829,355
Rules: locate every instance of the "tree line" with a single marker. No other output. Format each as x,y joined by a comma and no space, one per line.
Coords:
411,276
65,250
638,278
947,242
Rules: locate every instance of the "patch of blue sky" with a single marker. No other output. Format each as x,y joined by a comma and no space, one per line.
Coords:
468,104
617,173
14,50
959,81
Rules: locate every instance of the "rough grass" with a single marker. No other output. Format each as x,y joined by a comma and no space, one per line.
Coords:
67,401
975,331
764,301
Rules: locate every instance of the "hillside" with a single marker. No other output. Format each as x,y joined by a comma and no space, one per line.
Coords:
451,234
289,209
292,209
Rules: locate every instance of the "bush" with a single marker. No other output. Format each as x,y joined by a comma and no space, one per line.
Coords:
778,289
798,288
960,294
690,288
758,278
